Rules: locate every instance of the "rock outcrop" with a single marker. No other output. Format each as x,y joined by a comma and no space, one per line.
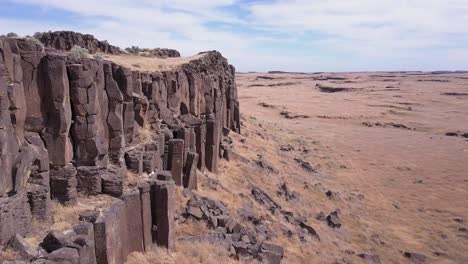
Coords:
66,40
157,52
70,126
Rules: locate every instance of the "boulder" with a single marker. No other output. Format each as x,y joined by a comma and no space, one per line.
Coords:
15,217
20,245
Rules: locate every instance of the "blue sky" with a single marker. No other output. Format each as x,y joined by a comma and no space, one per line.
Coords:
300,35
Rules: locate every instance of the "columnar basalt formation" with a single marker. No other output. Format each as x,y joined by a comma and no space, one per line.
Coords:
70,126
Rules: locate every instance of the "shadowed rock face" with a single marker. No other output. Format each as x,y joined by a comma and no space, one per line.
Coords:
70,126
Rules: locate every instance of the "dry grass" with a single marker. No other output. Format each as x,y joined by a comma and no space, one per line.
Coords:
133,179
149,63
8,255
191,228
185,253
65,217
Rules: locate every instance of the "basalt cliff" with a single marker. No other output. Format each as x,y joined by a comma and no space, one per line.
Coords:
76,128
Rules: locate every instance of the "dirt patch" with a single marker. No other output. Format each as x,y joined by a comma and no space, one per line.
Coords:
136,62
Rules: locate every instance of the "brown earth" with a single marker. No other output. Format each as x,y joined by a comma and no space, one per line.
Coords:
376,141
380,143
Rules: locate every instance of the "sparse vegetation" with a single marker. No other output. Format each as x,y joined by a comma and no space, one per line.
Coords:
133,49
97,57
37,42
79,53
185,253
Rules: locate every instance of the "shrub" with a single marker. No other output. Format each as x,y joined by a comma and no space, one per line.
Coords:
36,41
12,35
78,52
97,57
133,49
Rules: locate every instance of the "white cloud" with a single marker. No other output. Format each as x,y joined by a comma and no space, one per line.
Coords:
380,35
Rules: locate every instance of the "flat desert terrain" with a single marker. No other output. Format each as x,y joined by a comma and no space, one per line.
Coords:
391,149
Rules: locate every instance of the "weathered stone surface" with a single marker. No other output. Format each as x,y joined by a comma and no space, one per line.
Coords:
333,220
55,240
115,117
8,143
109,234
89,130
89,179
212,143
31,54
22,167
140,104
190,171
151,158
24,249
58,108
15,217
184,134
63,184
163,209
112,180
85,241
39,199
64,255
175,160
66,40
164,176
134,160
123,77
415,257
145,199
200,138
134,228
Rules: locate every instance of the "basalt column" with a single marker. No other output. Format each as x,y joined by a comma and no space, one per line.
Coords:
56,133
115,116
163,207
88,130
123,77
212,143
176,160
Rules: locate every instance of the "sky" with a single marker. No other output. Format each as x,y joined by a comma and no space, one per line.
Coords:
262,35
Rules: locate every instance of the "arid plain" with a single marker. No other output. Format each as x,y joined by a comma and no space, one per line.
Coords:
391,147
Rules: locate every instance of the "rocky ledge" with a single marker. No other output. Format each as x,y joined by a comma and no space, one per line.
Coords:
79,126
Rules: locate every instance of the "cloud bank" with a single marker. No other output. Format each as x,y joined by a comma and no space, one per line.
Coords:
300,35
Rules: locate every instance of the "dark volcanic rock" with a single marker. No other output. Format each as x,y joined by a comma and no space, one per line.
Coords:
76,124
65,40
333,220
371,259
415,257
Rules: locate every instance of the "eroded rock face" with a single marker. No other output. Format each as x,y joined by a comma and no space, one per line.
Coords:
65,40
70,126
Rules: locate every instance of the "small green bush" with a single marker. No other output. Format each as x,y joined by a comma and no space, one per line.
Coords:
78,52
